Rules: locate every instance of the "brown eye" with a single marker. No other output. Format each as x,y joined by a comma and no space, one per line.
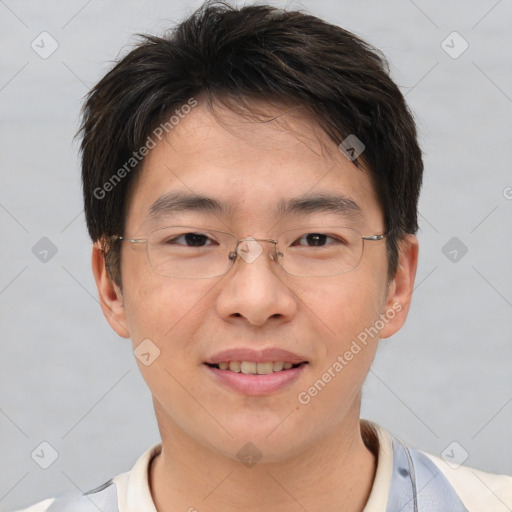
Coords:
316,240
190,240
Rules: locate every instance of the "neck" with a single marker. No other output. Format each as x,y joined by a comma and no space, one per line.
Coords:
336,473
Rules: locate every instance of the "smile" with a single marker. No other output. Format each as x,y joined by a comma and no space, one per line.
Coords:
255,379
253,368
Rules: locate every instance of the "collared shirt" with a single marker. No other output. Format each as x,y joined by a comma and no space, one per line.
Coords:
406,480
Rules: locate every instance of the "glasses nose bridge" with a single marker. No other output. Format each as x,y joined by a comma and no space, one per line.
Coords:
252,239
249,253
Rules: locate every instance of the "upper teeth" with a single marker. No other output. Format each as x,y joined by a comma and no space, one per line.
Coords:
253,368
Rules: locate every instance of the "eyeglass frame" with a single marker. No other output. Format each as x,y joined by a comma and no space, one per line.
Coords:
232,256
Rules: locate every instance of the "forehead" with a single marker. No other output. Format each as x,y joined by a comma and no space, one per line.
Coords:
249,170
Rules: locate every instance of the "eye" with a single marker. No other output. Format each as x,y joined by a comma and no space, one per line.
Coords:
190,240
315,240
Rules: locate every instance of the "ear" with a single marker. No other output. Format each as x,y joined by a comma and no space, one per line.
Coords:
399,294
110,295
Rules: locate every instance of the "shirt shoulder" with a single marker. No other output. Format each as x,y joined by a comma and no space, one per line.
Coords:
42,506
477,489
127,492
408,479
102,498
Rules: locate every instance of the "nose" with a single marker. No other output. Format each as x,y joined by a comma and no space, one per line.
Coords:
255,290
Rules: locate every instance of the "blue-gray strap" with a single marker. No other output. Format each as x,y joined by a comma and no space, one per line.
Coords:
102,498
417,485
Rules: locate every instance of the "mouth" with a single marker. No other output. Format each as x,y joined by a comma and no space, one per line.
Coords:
256,368
257,379
255,372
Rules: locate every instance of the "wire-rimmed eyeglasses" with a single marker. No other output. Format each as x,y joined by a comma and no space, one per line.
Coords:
193,252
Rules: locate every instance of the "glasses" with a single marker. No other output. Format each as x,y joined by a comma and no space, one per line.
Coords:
191,252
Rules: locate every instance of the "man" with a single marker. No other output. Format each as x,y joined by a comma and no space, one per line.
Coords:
251,185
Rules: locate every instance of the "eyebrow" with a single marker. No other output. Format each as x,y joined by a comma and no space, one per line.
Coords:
322,202
176,202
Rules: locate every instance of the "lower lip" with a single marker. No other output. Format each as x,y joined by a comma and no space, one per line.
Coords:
256,385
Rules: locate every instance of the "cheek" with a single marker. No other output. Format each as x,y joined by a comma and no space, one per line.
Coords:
164,317
164,309
342,305
343,312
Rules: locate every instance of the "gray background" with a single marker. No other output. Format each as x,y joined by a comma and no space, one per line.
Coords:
65,376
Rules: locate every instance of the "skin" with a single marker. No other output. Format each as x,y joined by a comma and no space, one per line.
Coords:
251,166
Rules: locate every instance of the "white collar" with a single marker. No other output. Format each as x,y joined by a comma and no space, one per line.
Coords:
134,494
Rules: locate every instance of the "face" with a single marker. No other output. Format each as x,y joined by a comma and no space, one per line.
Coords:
248,169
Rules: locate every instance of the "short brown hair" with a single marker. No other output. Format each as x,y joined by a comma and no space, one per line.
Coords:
254,52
